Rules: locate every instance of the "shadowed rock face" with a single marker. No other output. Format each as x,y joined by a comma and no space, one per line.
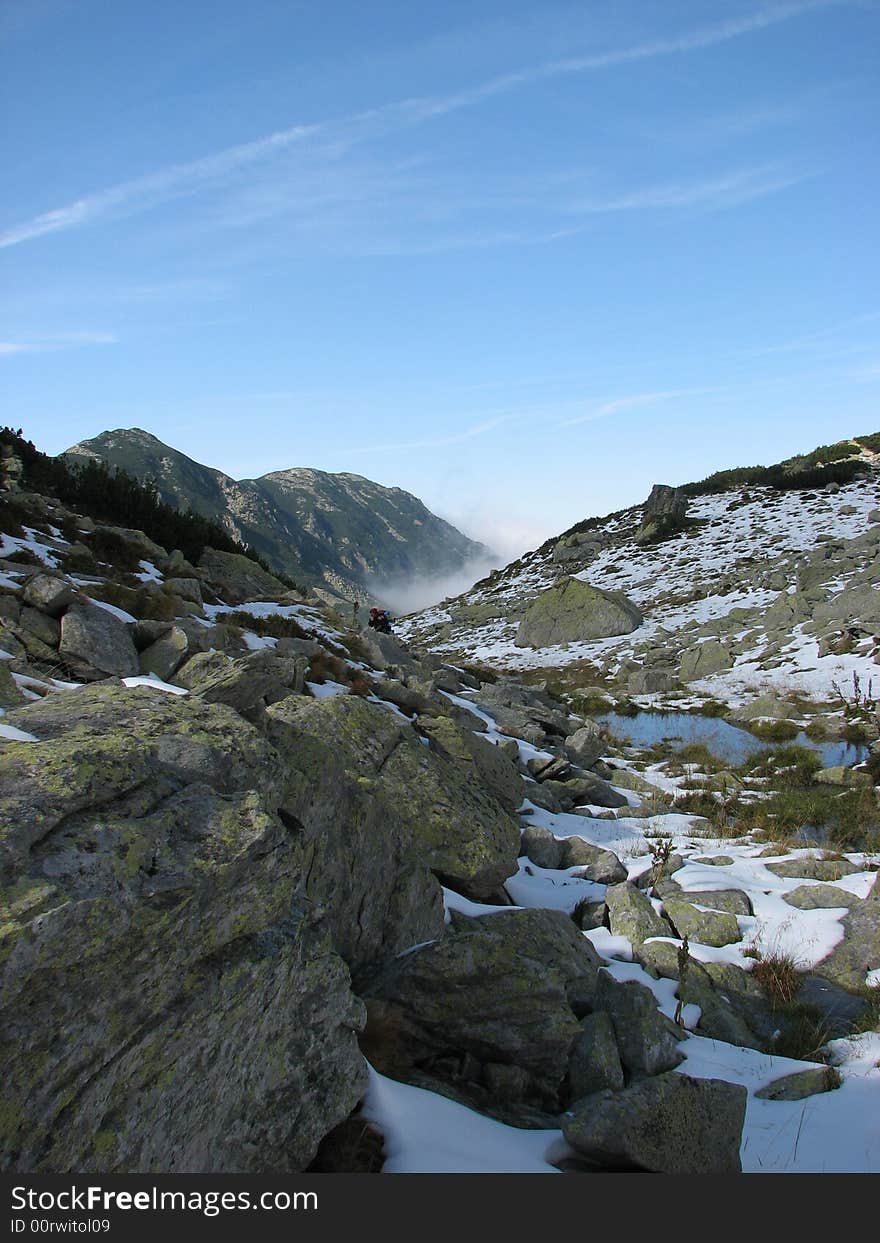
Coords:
572,611
670,1124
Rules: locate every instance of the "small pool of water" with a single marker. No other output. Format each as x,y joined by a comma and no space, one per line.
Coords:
727,742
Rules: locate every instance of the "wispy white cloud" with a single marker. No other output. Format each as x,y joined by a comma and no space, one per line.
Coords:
631,401
171,182
178,180
441,442
55,341
821,336
727,190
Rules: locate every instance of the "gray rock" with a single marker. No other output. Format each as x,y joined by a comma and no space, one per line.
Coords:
186,588
495,988
650,682
387,652
705,659
594,1062
43,627
165,656
596,864
541,847
671,1124
586,788
140,852
146,632
557,768
585,745
405,698
631,915
49,593
644,1035
800,1085
703,927
813,869
236,578
95,636
298,647
572,611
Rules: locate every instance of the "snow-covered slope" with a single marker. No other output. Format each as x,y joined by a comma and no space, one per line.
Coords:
784,581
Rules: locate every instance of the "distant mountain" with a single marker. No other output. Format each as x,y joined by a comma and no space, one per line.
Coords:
337,530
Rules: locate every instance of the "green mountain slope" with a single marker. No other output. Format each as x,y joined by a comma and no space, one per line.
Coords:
337,529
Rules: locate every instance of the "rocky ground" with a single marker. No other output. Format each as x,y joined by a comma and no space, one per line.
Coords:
279,894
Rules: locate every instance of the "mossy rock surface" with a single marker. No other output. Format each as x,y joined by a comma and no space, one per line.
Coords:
179,896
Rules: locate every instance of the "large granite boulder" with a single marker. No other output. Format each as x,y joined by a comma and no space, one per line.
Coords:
484,762
495,988
631,915
663,514
645,1039
572,611
172,998
236,578
457,827
96,638
671,1124
50,593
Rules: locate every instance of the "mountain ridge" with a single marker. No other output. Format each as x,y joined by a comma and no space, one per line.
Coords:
341,531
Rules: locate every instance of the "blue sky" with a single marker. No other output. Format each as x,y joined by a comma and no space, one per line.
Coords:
522,259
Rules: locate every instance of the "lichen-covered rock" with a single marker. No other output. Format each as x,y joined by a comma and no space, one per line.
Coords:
572,611
858,953
821,897
481,759
800,1085
595,863
813,869
249,683
670,1124
495,988
644,1036
718,1018
236,578
154,913
631,915
10,695
166,654
99,639
704,927
594,1062
841,775
456,827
